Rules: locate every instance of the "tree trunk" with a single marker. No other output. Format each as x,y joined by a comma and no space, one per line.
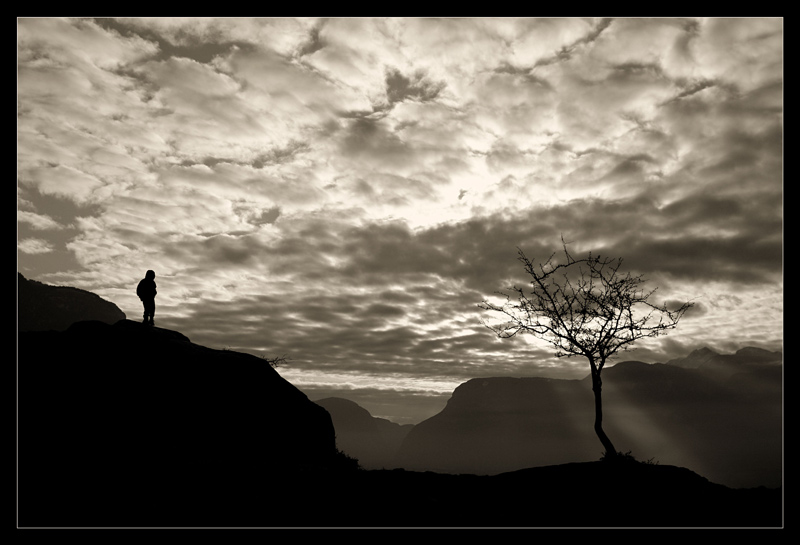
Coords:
597,386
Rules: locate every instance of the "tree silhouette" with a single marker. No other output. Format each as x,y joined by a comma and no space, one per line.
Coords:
584,307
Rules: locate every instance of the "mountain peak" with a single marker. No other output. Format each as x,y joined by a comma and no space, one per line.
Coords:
703,352
695,359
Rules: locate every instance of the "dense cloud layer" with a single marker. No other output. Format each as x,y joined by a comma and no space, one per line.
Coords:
347,191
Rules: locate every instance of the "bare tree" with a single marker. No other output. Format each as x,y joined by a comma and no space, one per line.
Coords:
276,362
584,307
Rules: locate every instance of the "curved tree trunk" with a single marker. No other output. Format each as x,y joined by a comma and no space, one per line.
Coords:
597,386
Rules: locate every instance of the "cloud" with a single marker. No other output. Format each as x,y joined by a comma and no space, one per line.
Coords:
366,294
372,140
422,269
735,49
34,246
64,41
64,182
37,221
264,216
416,87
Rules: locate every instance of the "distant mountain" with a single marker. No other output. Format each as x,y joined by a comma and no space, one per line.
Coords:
42,307
128,417
727,426
695,359
493,425
373,441
746,359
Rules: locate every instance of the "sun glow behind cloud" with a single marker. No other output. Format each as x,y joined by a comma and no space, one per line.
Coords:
348,190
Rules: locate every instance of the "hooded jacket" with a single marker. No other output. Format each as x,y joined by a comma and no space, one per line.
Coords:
147,286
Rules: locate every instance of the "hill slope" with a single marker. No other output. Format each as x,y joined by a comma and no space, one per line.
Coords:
127,413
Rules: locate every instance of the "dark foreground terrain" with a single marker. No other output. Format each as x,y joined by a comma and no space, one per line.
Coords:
593,494
127,426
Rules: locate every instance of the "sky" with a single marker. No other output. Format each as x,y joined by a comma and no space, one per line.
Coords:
345,192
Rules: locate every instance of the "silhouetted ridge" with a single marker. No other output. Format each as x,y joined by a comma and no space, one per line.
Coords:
42,307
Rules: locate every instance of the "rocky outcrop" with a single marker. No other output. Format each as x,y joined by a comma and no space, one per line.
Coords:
42,307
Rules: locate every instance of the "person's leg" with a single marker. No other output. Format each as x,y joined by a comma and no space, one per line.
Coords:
149,310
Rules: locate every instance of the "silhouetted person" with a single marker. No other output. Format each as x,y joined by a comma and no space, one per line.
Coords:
146,290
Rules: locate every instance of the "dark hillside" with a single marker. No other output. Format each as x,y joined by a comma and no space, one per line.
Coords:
117,418
41,307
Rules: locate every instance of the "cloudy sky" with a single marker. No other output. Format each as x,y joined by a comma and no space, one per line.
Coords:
345,192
